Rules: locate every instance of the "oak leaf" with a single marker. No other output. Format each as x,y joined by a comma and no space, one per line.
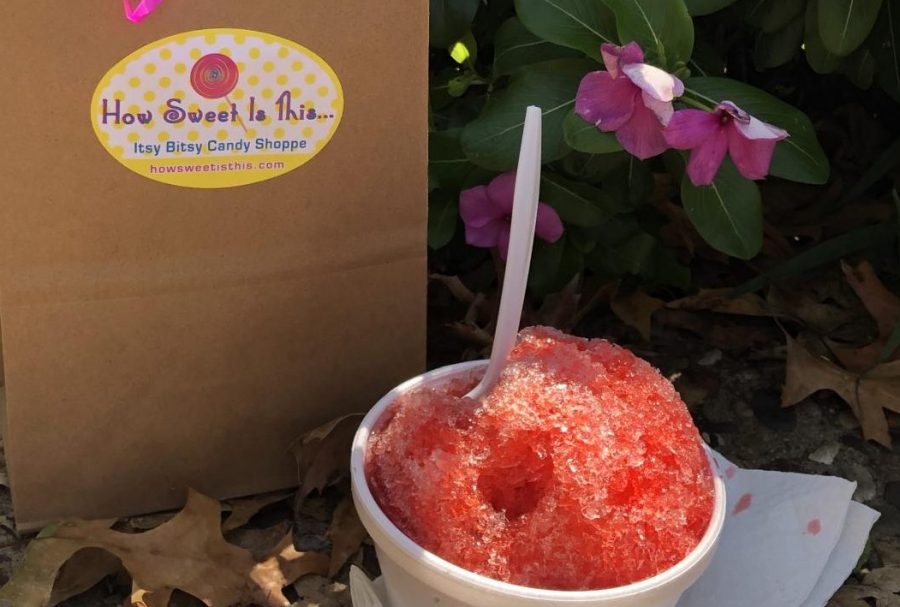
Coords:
187,553
868,393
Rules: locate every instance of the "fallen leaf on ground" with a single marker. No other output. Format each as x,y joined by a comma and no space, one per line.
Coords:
82,572
245,509
860,596
346,534
323,454
187,553
803,306
881,304
318,591
636,310
868,394
259,542
720,300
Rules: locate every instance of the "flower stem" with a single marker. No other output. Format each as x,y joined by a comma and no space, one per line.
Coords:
694,103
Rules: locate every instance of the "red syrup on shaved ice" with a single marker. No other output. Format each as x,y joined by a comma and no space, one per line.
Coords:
580,470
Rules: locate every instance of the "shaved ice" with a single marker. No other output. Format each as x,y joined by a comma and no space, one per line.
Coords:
580,470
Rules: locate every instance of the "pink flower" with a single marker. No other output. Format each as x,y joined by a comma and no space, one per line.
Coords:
632,98
708,135
487,212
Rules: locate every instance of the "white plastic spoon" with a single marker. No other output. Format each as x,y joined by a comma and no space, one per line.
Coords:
518,260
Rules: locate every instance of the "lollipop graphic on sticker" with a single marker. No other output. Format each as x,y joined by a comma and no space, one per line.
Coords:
215,76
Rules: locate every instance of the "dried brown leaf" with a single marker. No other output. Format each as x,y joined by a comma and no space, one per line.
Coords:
187,553
883,305
802,305
636,310
82,572
32,583
867,394
859,596
323,454
460,291
720,300
243,510
346,534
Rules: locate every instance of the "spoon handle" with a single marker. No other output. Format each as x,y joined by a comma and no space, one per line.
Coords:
518,260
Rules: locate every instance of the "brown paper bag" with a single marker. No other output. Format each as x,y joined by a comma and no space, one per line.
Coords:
160,336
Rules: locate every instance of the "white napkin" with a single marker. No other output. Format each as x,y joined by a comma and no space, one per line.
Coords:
790,540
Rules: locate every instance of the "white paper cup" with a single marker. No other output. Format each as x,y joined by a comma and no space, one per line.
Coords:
415,577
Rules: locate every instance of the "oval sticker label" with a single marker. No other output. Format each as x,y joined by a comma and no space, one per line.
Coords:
217,108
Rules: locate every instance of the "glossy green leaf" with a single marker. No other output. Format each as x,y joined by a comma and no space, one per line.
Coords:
515,46
799,157
860,67
820,59
585,137
771,15
492,140
845,24
698,8
554,265
443,211
663,28
576,203
778,48
630,184
450,20
886,48
578,24
728,213
448,166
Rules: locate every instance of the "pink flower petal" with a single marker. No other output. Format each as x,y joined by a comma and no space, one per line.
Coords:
488,235
476,209
503,241
614,57
657,83
757,129
706,159
688,129
549,226
501,191
604,101
662,109
642,136
752,157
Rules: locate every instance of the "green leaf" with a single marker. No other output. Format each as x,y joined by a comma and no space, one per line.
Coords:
706,60
630,184
443,210
578,24
777,48
663,28
820,59
845,24
632,254
799,157
771,15
577,203
728,213
450,20
448,166
585,137
492,140
886,48
515,47
554,265
891,345
860,67
698,8
822,254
